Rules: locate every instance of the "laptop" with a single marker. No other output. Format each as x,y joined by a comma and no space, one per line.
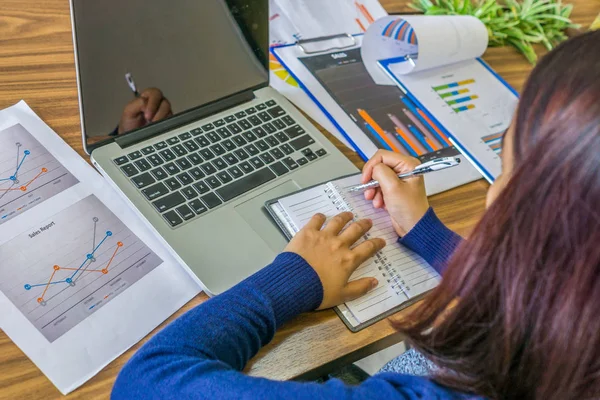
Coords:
177,114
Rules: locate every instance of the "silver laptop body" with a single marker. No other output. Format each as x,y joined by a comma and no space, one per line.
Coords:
201,176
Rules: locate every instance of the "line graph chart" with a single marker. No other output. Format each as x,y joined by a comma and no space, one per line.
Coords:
29,174
74,264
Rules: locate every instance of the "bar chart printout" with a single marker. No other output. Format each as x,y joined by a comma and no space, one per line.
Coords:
59,273
29,174
458,95
385,115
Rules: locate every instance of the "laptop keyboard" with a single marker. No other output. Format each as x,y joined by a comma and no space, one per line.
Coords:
191,173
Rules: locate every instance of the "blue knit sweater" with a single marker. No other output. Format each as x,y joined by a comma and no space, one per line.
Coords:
201,355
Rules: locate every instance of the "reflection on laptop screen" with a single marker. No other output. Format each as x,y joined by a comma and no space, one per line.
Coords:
141,61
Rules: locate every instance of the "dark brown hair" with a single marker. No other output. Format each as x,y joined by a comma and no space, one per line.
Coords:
517,315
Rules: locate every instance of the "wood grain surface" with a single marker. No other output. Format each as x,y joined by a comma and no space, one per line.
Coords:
37,65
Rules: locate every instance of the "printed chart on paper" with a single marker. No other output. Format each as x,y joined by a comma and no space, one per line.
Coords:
59,273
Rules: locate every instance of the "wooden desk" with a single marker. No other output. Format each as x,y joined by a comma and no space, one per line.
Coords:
37,65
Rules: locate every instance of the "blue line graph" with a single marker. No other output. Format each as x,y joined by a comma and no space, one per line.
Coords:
15,176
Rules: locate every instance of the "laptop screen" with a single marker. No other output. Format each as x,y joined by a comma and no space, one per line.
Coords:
141,61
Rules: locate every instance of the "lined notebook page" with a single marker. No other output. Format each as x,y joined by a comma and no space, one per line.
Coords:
401,273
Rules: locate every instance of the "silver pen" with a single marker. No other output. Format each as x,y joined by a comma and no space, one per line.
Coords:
431,166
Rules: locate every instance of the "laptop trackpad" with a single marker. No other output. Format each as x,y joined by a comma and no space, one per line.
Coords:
254,213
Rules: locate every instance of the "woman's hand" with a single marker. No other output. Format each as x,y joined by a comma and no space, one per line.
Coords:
329,251
405,200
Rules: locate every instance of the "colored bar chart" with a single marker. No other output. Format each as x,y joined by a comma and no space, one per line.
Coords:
494,141
401,30
453,85
456,97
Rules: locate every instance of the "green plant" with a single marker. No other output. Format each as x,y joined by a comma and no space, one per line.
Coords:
520,24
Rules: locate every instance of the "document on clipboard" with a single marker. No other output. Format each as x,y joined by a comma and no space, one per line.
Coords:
369,115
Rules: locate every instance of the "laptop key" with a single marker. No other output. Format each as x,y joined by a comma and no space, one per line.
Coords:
161,145
264,116
261,107
202,141
229,118
251,111
269,128
196,131
287,149
143,180
254,120
148,150
196,173
220,164
135,155
302,161
172,169
213,137
224,133
218,149
246,167
234,128
278,154
172,183
230,158
191,145
262,145
279,124
252,150
240,114
260,132
189,192
291,164
219,122
207,154
271,103
276,112
198,207
279,168
208,168
272,141
321,152
129,170
289,121
236,172
166,203
159,173
184,163
240,141
251,137
155,160
208,127
257,163
267,158
241,154
195,158
211,200
282,137
224,177
185,212
302,142
173,140
156,191
295,131
185,136
201,187
143,165
173,218
185,178
246,184
229,145
167,155
244,124
121,160
213,182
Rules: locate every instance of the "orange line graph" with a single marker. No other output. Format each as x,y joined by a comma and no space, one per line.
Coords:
365,115
25,186
41,298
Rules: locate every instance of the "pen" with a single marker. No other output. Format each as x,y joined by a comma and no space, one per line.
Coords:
431,166
131,84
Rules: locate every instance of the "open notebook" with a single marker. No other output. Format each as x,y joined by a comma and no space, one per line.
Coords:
403,275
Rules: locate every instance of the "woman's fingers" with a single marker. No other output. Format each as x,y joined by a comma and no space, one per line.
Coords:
358,288
337,223
398,162
356,231
316,222
366,250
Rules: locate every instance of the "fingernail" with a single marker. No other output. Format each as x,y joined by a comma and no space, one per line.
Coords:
374,283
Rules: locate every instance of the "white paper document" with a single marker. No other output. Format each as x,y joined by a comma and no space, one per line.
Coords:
81,278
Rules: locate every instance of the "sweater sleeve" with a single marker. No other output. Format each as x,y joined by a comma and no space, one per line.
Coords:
432,240
201,354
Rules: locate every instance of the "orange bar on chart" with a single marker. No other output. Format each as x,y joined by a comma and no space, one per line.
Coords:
365,12
422,114
362,27
410,142
378,129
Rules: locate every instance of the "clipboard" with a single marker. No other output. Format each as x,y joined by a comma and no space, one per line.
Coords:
295,58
